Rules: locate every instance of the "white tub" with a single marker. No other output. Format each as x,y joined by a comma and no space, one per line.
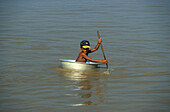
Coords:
80,66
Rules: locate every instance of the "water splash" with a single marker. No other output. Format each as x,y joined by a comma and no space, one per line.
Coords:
109,71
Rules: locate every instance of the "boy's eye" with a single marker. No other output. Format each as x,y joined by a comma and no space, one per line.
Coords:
86,48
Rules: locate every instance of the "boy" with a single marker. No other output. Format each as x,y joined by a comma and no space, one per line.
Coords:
83,56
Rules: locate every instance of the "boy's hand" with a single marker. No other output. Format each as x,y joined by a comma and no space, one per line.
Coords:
100,40
104,61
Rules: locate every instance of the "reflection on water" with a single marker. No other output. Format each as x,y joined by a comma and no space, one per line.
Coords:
89,85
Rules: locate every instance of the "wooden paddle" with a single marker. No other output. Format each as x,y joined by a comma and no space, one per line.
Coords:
102,50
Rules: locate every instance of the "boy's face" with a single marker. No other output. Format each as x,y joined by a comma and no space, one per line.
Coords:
84,49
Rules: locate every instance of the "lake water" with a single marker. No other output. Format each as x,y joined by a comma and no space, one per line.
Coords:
35,34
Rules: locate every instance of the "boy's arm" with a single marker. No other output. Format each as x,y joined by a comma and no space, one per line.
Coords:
97,46
93,60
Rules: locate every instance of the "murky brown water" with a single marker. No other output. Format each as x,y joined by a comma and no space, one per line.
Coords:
35,34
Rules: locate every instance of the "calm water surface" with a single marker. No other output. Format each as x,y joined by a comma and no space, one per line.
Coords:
35,34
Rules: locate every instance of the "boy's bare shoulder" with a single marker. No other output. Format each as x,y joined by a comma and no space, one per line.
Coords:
82,54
